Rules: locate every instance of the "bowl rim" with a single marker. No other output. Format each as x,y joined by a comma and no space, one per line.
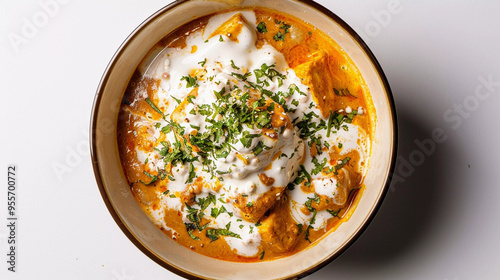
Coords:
187,274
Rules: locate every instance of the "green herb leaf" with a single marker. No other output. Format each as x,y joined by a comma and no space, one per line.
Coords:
341,164
333,213
258,148
318,167
190,98
246,138
152,177
192,174
234,66
176,99
343,92
261,27
306,175
154,107
285,27
190,81
214,234
215,212
190,227
279,36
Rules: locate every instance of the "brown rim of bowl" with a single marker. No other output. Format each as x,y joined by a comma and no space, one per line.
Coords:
187,274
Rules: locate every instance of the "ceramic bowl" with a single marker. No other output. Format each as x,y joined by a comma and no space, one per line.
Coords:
134,222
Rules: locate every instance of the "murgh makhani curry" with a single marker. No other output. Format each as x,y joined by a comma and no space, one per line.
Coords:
247,136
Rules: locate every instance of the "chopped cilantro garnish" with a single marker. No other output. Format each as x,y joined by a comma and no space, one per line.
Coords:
176,99
279,36
318,167
192,174
214,234
190,98
154,107
258,148
308,203
262,119
268,72
243,77
205,110
246,138
190,81
190,227
341,164
327,145
300,228
234,66
215,212
333,213
205,202
336,120
343,92
308,177
152,177
223,151
285,27
316,199
195,216
261,27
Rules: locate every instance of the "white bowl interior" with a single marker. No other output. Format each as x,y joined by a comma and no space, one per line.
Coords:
143,232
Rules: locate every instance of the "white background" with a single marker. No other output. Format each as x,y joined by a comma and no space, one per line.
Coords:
440,219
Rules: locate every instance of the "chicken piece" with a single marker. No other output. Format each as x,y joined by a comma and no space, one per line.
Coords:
188,196
252,211
231,28
278,232
346,182
316,73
